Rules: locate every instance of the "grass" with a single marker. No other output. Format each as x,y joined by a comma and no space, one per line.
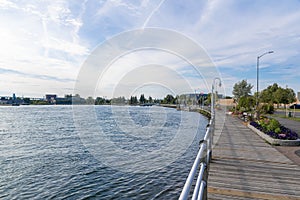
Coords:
285,117
283,109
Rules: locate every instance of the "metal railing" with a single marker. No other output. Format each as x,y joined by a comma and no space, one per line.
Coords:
200,166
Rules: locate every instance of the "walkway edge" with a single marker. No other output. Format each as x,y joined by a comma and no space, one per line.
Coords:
255,195
273,141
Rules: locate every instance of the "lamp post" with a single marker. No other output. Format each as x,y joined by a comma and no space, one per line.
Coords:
212,95
202,99
257,76
196,99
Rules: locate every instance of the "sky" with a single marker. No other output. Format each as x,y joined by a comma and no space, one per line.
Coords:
48,46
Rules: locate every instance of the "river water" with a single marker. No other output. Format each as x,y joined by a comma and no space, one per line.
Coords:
48,152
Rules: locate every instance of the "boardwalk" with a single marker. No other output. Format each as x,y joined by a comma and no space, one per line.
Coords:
245,167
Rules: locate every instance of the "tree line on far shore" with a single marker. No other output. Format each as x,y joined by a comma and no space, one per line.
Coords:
76,99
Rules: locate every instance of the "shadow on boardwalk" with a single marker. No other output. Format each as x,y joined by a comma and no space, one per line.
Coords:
245,167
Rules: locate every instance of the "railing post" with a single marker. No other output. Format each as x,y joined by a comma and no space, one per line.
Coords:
205,175
203,194
211,136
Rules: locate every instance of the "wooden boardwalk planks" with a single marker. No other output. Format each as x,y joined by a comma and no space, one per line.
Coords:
245,167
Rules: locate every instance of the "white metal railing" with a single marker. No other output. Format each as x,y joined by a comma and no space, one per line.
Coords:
203,158
200,166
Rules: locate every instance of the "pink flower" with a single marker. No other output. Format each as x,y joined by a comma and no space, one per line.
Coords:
282,135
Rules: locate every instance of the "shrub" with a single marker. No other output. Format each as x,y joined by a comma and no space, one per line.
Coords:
264,122
273,125
277,130
267,108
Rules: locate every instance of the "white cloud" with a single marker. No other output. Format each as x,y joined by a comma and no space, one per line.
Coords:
43,45
5,4
65,46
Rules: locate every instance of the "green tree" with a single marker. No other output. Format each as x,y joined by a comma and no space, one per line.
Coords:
268,95
291,96
133,100
246,103
169,99
142,99
285,96
208,99
242,89
118,100
100,101
267,108
68,95
90,101
26,100
276,94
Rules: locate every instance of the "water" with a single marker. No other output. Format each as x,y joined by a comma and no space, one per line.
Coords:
43,154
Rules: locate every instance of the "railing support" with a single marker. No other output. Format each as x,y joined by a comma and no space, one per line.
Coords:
188,184
199,181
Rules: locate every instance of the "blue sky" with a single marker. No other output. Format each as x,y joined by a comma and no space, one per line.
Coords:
45,43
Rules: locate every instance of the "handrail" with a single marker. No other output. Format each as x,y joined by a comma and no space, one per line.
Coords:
203,159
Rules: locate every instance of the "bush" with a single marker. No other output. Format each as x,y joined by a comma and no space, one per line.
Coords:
277,130
267,108
273,125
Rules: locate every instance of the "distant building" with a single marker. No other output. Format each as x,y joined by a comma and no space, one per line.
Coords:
226,102
192,99
51,98
194,96
64,100
4,100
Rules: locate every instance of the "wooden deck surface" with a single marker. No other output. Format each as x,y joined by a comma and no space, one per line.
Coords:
245,167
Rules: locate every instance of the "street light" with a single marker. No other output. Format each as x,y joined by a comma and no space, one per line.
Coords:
257,75
212,94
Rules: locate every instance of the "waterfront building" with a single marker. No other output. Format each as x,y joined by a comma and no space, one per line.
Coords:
4,100
51,98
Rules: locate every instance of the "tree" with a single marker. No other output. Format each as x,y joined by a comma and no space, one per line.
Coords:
118,100
291,96
26,100
133,100
142,99
268,94
99,101
169,99
68,95
242,89
246,103
276,94
285,96
90,101
208,99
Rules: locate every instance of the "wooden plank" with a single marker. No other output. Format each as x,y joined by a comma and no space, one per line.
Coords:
252,195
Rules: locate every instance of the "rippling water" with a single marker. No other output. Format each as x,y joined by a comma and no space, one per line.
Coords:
43,154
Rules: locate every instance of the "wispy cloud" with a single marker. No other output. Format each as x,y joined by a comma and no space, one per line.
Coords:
36,76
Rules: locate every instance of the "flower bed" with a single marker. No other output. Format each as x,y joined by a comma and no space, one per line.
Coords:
274,129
